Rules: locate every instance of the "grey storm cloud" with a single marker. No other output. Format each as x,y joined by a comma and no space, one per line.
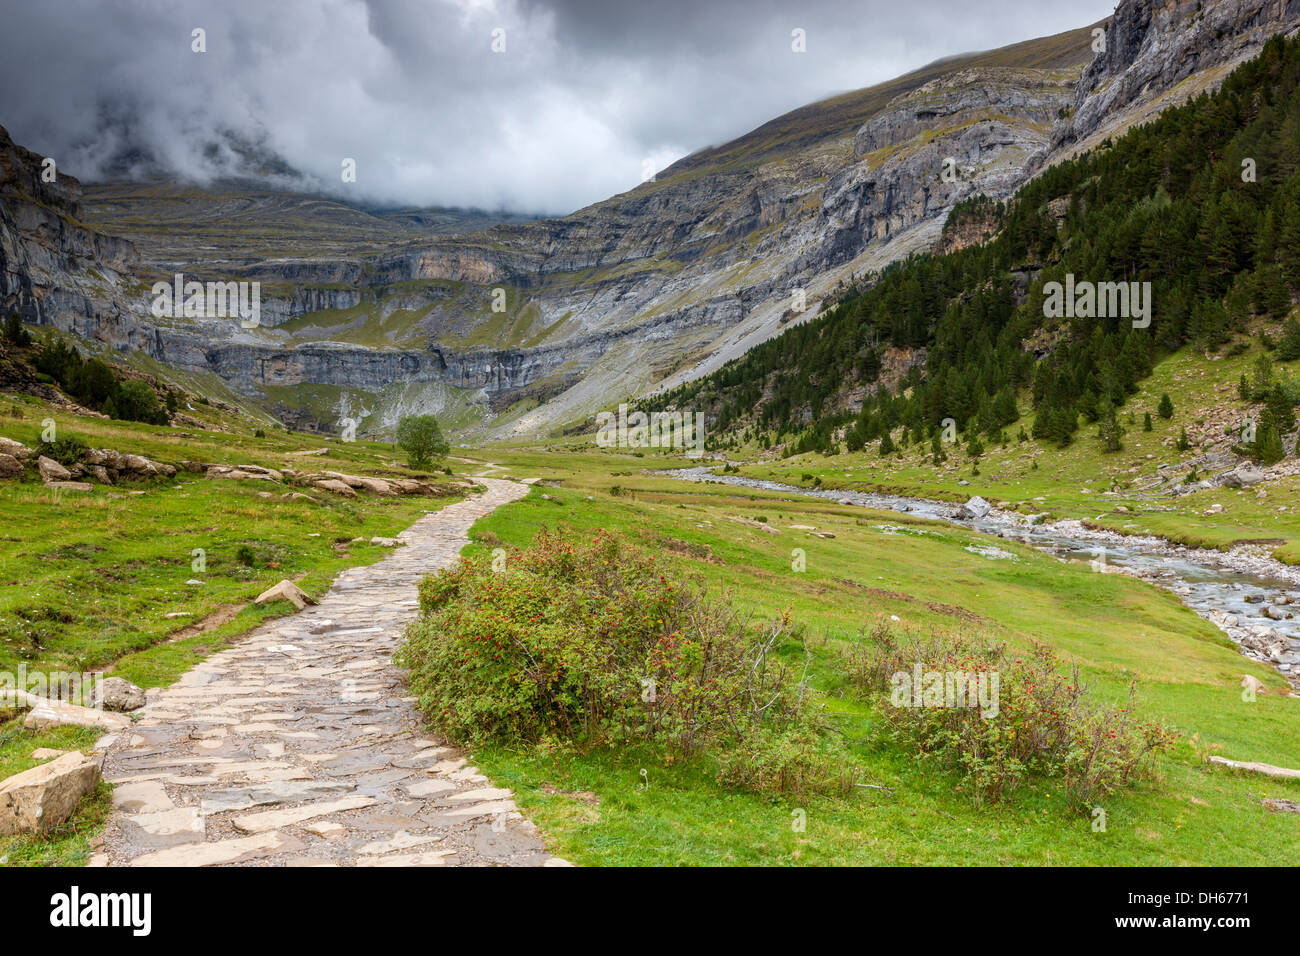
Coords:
585,96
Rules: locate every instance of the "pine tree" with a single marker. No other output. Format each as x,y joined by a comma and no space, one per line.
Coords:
1166,409
938,455
1146,422
1183,443
1268,445
1109,429
886,445
1289,347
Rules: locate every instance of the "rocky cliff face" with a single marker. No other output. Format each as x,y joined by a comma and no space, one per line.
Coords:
48,258
1159,53
966,133
648,288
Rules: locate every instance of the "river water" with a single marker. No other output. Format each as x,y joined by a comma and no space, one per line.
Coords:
1230,589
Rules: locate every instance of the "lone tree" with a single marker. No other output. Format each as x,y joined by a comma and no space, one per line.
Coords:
1166,409
1109,429
421,438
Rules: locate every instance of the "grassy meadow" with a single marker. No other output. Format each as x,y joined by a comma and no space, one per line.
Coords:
599,808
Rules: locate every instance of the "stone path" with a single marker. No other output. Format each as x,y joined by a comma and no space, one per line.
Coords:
300,747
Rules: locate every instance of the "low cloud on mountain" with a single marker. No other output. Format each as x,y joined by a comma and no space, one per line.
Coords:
586,95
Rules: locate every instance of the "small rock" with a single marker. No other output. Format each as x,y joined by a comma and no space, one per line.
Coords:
286,591
385,542
115,693
47,753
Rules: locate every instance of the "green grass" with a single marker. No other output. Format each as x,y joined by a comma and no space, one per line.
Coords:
595,806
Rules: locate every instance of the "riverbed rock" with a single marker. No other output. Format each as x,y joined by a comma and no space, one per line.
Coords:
977,507
45,796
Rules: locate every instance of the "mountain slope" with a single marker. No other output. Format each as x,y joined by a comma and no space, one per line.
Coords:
1197,215
660,284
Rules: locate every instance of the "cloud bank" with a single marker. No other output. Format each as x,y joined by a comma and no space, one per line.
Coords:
525,105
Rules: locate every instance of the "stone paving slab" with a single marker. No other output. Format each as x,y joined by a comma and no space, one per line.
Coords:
301,744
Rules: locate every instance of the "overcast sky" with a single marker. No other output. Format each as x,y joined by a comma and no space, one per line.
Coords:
585,94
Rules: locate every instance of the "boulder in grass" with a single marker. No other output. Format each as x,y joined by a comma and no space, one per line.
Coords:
1253,684
15,448
45,796
51,470
1243,476
336,486
10,467
139,465
286,591
376,486
69,486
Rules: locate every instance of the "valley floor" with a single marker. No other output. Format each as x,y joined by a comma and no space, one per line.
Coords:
600,808
109,571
